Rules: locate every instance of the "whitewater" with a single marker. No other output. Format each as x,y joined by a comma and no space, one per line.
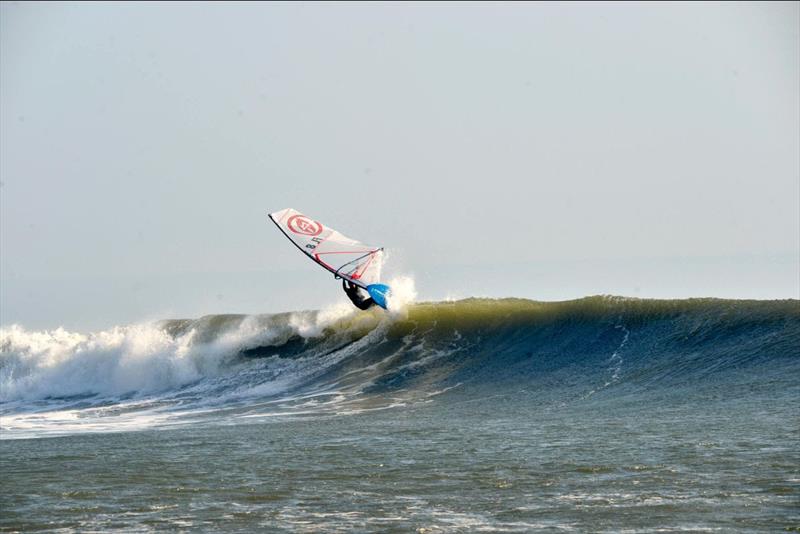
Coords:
468,415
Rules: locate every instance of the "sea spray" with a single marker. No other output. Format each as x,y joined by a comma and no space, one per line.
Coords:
402,295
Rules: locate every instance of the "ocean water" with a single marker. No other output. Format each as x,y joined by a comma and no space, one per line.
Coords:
603,414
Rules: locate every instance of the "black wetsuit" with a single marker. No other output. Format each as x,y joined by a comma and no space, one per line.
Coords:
359,301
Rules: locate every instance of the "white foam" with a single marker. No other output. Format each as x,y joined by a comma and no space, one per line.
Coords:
120,360
134,359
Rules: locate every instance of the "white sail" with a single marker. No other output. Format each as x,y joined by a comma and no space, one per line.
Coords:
344,257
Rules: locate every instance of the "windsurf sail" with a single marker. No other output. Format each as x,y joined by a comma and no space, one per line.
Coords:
344,257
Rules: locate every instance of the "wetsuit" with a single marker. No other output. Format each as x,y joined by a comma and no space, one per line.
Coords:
359,301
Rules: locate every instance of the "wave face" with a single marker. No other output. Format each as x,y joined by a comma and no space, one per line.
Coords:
226,368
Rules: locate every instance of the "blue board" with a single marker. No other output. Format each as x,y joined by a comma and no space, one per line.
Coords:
379,293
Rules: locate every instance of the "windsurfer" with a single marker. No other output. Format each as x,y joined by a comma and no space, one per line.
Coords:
354,293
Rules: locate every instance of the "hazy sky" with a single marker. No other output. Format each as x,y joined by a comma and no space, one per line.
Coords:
545,151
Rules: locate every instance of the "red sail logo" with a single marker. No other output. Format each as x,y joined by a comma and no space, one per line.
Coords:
300,224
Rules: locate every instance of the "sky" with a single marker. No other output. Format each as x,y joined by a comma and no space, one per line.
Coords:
545,151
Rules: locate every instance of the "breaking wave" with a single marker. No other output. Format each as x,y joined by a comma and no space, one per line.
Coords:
338,361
